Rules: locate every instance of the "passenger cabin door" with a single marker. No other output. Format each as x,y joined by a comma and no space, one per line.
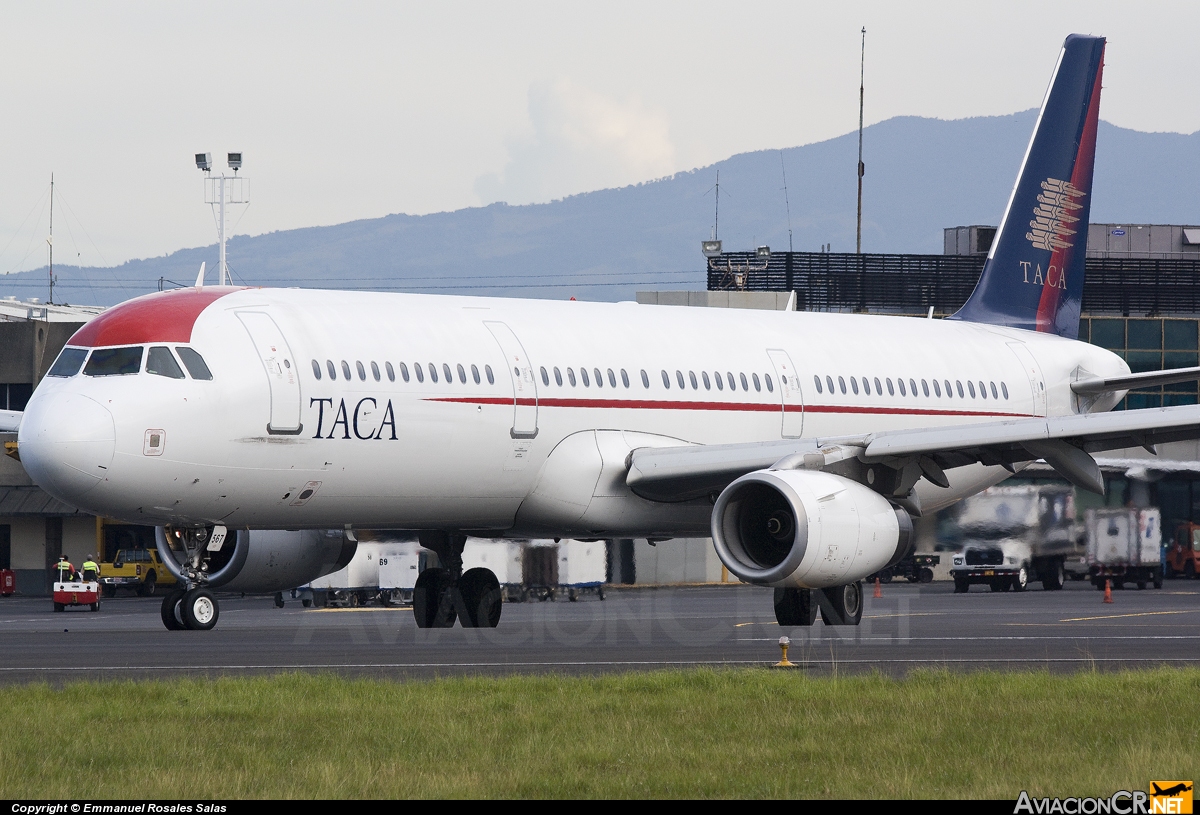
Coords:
789,393
520,371
1034,372
280,366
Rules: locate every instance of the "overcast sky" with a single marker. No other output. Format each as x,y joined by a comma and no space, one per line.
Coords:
354,110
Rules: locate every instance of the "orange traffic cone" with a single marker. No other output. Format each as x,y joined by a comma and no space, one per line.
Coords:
878,589
1108,591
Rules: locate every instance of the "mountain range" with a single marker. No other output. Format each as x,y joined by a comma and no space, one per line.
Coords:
921,175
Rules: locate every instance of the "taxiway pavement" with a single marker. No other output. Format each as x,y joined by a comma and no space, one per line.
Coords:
911,626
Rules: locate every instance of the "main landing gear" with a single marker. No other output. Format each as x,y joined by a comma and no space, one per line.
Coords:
840,605
443,595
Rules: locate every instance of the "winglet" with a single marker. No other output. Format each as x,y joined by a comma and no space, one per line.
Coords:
1033,278
200,277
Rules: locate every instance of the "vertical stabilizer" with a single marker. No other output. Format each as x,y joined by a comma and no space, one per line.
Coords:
1033,277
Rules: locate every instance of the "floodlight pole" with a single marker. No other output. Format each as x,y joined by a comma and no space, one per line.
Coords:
218,195
861,168
222,274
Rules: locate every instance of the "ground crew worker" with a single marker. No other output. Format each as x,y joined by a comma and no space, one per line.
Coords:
66,571
91,569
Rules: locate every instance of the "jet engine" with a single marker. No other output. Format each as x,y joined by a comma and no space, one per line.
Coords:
261,561
806,529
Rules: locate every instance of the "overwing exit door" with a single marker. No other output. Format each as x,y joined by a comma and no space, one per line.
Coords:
790,395
520,371
280,366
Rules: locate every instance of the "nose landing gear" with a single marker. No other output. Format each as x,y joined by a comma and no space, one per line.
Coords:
189,555
443,595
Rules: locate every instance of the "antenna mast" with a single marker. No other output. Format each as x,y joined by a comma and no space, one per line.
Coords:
785,200
50,240
861,168
717,211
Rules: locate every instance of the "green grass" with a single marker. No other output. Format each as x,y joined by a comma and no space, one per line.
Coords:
702,733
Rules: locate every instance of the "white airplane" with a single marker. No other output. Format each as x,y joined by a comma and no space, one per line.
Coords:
802,442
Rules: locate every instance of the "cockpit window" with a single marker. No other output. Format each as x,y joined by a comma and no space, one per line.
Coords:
159,361
68,362
194,363
114,361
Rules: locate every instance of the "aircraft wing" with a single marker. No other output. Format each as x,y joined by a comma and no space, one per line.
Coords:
1064,442
10,420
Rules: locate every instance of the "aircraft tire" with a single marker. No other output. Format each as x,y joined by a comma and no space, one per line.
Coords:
795,607
843,604
431,607
170,611
482,599
199,610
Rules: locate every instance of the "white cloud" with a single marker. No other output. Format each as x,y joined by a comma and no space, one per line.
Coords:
581,140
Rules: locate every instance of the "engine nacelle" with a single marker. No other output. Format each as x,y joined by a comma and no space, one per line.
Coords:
265,560
806,529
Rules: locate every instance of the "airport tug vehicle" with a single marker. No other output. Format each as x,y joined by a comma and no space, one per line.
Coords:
76,593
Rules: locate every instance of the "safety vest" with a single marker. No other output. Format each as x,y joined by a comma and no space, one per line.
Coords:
64,566
91,566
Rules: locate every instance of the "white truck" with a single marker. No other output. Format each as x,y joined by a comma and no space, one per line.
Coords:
1015,534
1124,546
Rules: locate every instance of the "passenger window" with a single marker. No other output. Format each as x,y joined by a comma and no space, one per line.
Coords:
391,372
545,376
446,371
961,395
829,383
937,389
891,390
557,376
375,370
770,384
420,371
949,390
842,385
757,384
475,373
995,395
729,377
913,384
971,388
624,378
666,380
316,369
925,388
487,369
612,378
745,384
1004,388
695,382
330,367
878,387
583,374
191,360
900,382
854,385
599,377
707,382
346,370
720,381
645,379
404,371
68,362
160,362
982,390
571,376
362,372
462,374
679,378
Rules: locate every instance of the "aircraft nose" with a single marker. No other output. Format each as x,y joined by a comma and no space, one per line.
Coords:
66,444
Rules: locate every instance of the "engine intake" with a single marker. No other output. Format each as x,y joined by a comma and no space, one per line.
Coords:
806,529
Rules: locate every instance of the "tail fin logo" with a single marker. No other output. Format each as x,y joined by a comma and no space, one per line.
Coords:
1054,218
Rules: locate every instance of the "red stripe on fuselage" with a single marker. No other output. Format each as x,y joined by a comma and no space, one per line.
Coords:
160,317
651,404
